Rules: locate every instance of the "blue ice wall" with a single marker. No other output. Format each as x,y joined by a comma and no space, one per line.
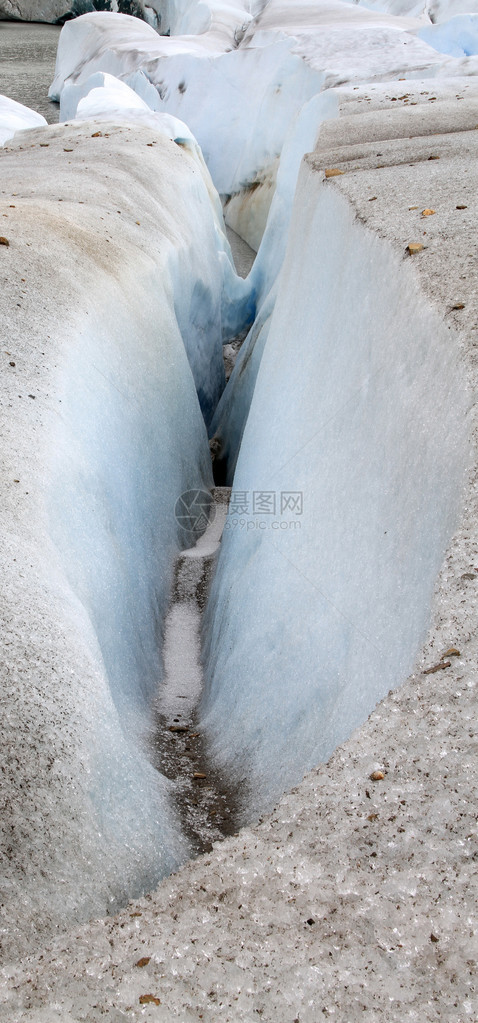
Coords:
346,491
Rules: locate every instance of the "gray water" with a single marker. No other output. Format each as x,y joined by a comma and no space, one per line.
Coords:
27,64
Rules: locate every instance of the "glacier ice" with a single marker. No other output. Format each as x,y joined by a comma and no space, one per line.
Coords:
116,97
196,17
322,590
443,10
228,423
338,111
126,271
257,88
457,37
189,78
292,57
230,417
15,117
250,89
310,621
434,11
104,97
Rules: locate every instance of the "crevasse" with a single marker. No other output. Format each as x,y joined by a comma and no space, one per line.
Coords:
319,608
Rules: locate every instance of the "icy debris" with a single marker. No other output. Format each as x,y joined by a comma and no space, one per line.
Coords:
15,117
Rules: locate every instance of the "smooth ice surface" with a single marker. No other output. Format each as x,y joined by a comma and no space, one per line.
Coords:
349,42
458,37
15,117
323,587
443,10
102,432
100,94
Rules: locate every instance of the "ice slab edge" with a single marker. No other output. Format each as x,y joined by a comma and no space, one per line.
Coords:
351,464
